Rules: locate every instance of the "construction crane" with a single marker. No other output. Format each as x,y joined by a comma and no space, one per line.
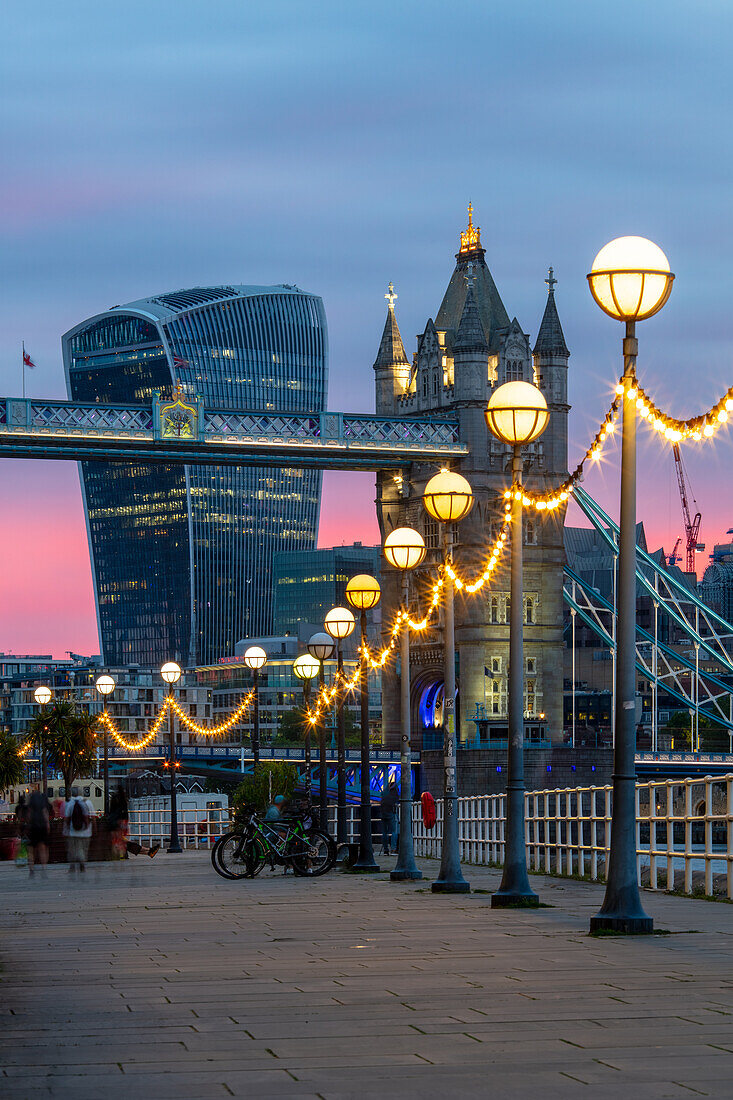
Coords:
674,556
692,525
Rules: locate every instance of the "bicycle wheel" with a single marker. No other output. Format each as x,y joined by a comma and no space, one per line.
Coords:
312,855
215,857
238,856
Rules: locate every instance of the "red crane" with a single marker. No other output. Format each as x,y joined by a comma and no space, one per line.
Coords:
692,525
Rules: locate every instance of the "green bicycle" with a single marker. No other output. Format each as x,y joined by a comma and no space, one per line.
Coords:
243,852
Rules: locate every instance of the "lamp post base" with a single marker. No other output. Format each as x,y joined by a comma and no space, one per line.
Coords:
508,900
366,869
623,925
174,847
404,876
442,886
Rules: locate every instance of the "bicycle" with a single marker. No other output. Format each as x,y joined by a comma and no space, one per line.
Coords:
243,852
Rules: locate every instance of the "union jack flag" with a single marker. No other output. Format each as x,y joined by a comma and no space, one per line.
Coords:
27,361
178,362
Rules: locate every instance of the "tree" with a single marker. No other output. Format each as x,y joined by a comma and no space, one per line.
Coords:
11,762
70,740
713,735
291,731
257,790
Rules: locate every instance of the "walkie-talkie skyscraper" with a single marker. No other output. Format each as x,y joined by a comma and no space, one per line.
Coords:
182,555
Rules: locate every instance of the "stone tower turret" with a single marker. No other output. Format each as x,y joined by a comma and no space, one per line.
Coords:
391,367
550,355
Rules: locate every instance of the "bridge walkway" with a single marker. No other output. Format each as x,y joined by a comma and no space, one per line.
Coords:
156,978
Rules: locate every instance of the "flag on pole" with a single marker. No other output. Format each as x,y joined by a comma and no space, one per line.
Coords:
27,361
178,362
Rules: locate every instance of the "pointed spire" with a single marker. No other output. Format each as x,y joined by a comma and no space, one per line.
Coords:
550,338
470,334
471,239
391,349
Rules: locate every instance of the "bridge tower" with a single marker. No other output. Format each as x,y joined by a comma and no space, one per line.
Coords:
471,347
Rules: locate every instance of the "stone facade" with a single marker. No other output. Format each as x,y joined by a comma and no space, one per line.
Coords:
471,347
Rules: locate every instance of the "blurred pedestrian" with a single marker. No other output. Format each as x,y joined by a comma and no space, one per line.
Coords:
388,816
78,829
39,831
21,824
119,826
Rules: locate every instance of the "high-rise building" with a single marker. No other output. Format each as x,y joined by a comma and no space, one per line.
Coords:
182,555
307,584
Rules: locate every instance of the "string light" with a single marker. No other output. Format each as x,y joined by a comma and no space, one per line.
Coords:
171,703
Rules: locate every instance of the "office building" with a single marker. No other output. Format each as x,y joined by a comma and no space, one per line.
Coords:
306,584
182,555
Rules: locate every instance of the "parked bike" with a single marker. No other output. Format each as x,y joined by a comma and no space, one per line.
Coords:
290,842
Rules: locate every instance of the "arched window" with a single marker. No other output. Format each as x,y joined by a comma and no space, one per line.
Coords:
514,370
530,532
530,695
529,610
494,609
508,609
424,384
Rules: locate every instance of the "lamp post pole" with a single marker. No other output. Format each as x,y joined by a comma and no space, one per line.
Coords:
622,909
42,695
256,720
322,766
515,889
175,841
365,861
405,867
450,879
340,751
630,280
307,740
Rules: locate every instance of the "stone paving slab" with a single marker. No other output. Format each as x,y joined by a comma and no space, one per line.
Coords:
158,979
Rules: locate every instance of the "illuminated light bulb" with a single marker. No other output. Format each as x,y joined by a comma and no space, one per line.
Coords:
541,505
708,430
639,401
595,454
508,493
659,425
517,496
722,416
696,436
619,389
729,404
526,501
611,428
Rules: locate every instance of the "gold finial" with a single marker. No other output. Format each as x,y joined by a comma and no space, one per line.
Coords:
391,297
551,281
471,239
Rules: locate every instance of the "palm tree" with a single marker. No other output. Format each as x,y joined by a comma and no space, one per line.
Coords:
11,762
70,740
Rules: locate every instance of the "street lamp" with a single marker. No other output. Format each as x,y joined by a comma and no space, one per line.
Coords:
255,658
105,685
171,673
42,695
363,592
448,497
305,668
339,623
404,549
630,280
320,646
517,413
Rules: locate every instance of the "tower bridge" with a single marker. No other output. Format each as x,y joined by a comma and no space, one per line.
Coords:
429,411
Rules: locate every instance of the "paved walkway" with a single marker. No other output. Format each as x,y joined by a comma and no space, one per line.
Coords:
157,979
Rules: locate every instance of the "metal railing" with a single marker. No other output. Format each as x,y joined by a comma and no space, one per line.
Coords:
201,828
684,832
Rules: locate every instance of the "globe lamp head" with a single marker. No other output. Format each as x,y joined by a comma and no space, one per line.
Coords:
630,278
171,672
448,497
255,657
517,413
363,591
105,685
339,622
306,667
320,645
42,695
404,548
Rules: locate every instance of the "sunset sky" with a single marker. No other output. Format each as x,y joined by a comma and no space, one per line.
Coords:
149,147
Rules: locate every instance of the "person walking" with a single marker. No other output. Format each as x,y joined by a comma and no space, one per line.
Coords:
39,831
388,815
78,829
